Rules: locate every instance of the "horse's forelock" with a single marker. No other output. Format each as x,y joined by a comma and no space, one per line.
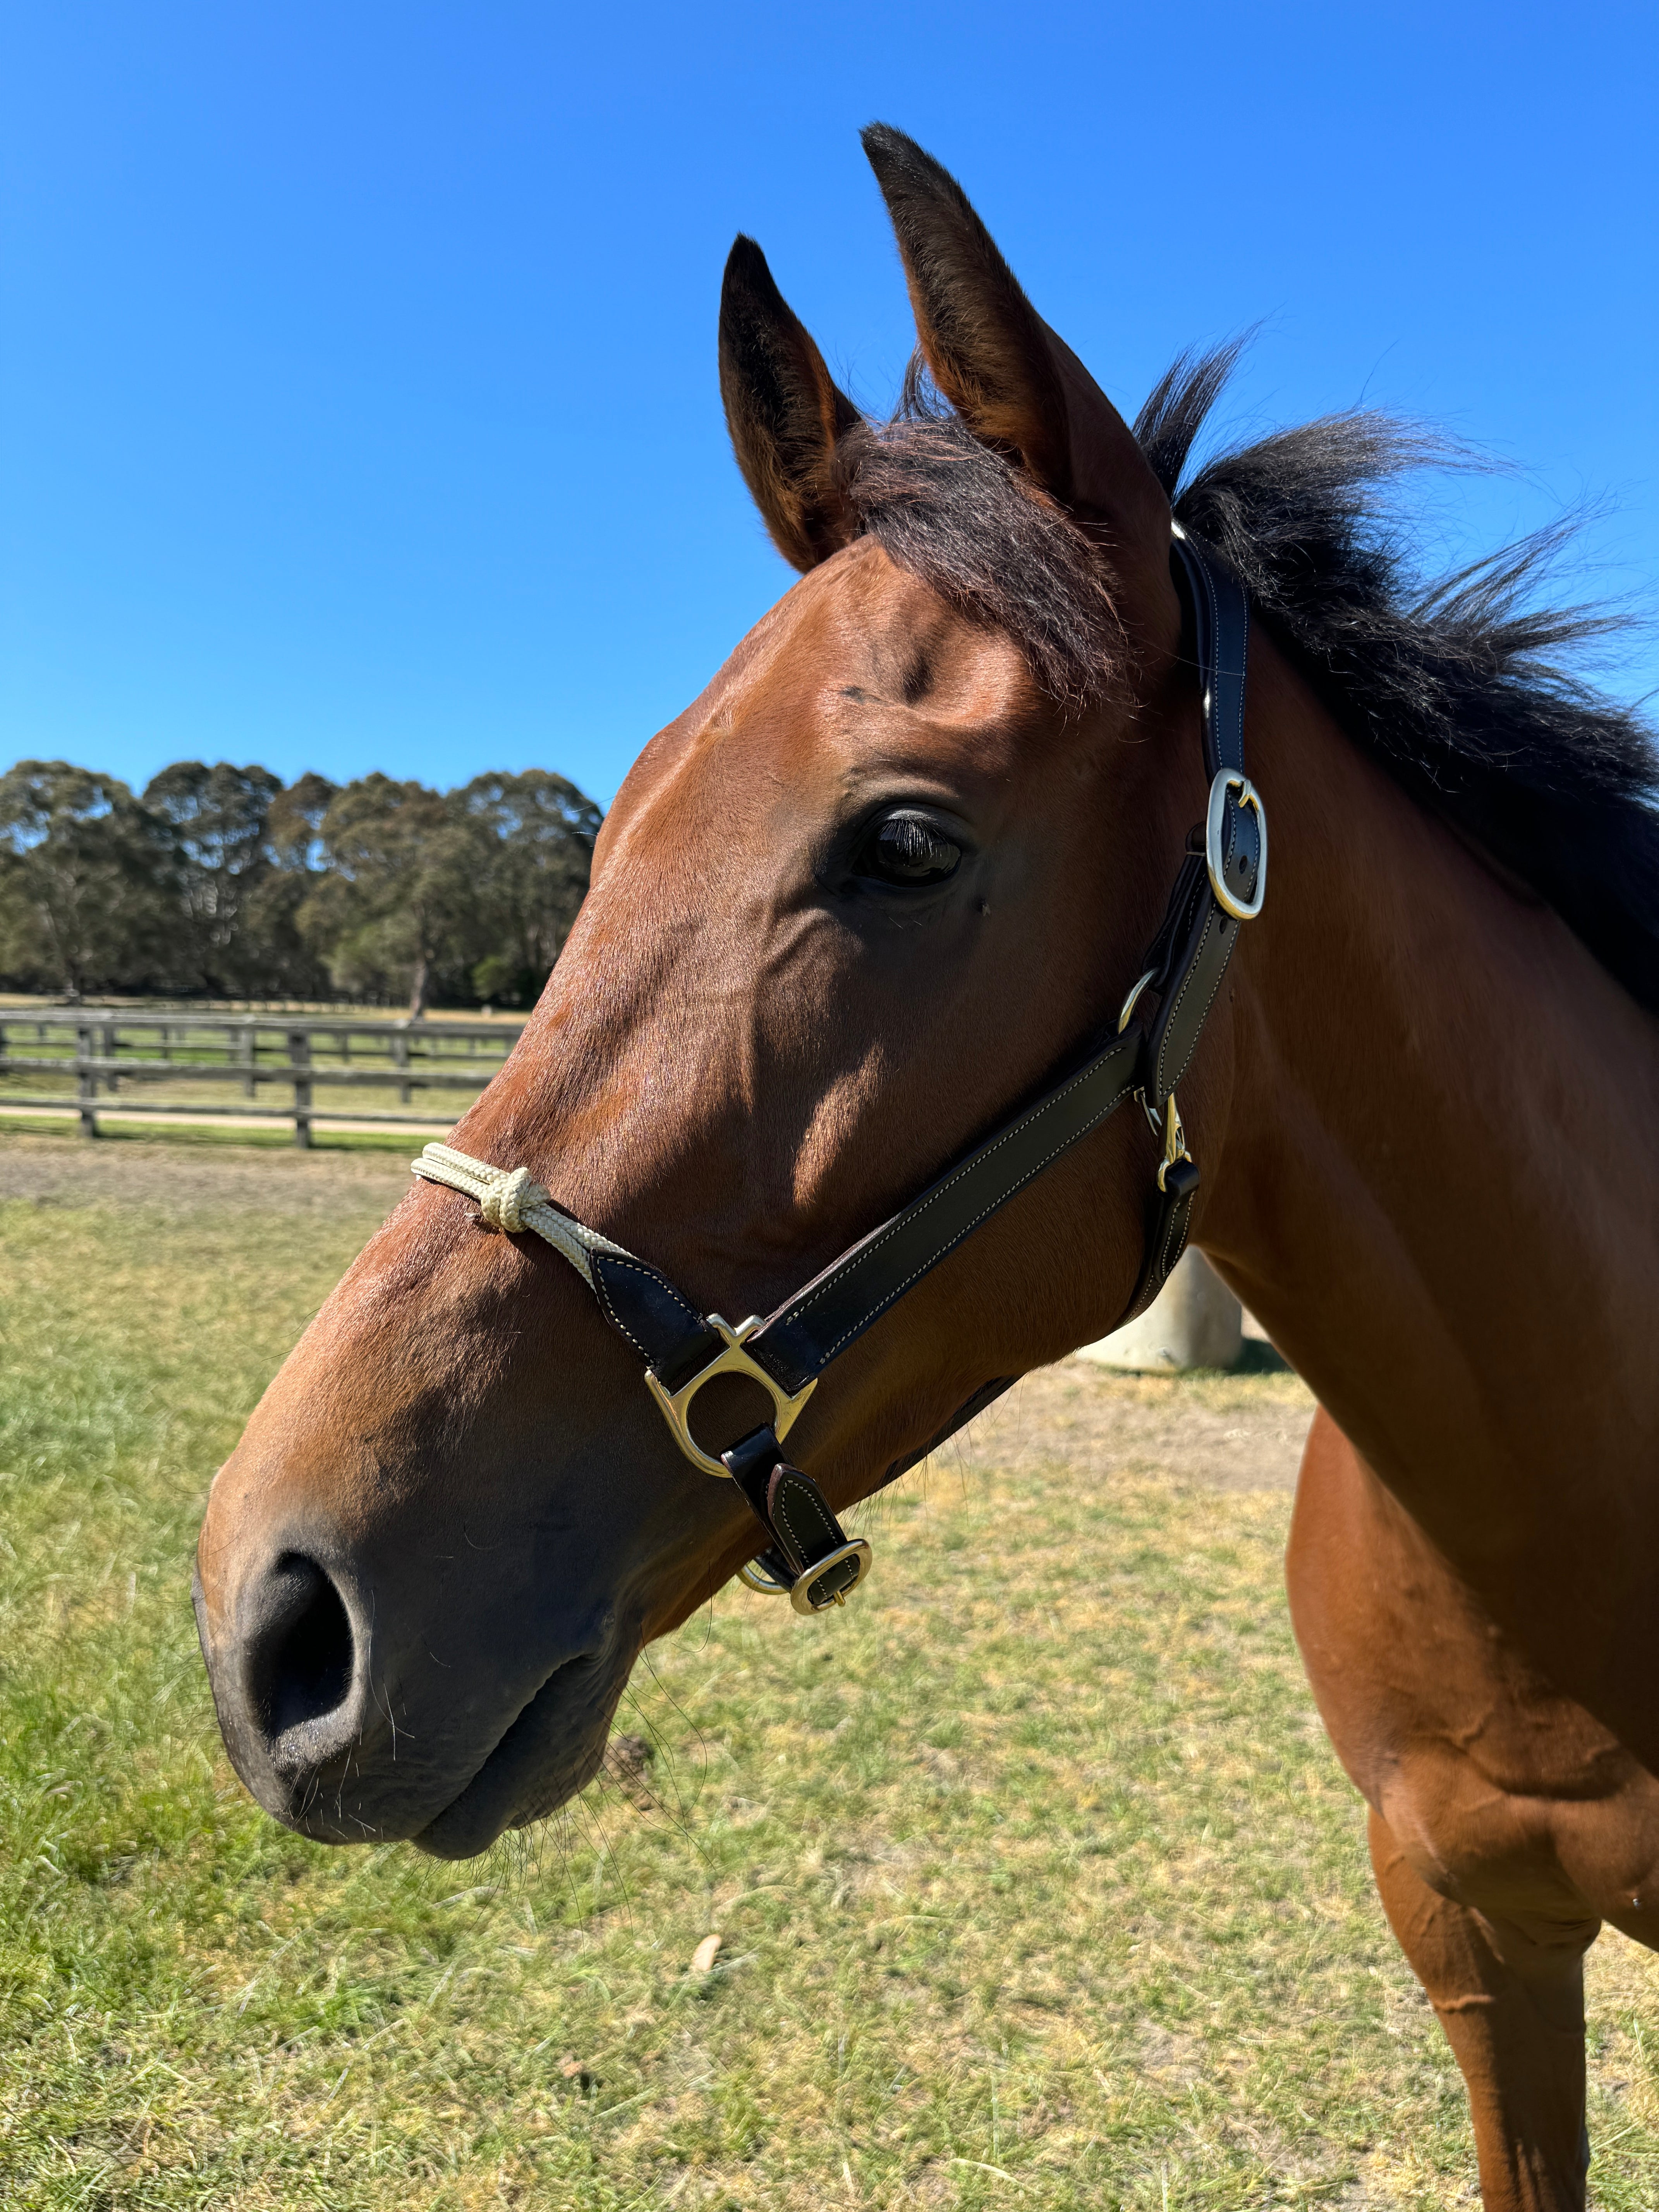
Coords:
954,513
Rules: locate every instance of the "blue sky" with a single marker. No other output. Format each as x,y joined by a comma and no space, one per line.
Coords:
357,393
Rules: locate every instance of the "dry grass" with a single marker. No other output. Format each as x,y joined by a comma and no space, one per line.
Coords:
1036,1882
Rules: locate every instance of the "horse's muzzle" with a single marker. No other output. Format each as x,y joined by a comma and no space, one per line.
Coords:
349,1727
292,1687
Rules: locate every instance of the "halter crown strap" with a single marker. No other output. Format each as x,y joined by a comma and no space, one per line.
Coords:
1221,882
1219,887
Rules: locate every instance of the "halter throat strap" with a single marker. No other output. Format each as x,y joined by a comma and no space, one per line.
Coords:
1219,888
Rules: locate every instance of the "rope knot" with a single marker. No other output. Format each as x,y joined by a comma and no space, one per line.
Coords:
505,1204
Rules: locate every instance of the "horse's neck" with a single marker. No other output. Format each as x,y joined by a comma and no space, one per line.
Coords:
1439,1183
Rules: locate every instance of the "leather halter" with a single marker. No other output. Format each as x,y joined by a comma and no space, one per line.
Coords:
807,1554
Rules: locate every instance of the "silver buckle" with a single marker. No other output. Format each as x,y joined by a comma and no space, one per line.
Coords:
754,1577
675,1405
1215,825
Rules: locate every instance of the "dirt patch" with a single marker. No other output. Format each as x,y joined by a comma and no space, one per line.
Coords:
195,1178
1220,1431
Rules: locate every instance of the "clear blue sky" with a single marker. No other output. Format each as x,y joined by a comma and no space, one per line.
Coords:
357,393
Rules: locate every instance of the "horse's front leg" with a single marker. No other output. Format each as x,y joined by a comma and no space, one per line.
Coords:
1506,1822
1511,2001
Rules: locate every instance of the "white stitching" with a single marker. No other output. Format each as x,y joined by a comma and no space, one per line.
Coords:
791,1530
1199,1032
1244,658
643,1268
967,1230
915,1211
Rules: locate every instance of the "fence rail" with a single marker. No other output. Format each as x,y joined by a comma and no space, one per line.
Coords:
103,1049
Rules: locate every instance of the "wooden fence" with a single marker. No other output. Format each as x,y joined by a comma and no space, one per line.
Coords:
108,1050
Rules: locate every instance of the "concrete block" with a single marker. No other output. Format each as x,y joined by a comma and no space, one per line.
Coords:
1195,1321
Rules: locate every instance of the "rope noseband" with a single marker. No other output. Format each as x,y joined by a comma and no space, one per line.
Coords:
807,1554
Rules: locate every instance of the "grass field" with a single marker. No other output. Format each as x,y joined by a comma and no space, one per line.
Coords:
1036,1882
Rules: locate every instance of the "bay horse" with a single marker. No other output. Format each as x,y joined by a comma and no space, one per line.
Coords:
890,869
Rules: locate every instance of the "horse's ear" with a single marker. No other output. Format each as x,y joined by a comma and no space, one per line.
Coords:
1013,382
785,413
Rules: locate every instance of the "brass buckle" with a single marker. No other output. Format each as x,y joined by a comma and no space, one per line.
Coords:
675,1405
755,1576
856,1549
1175,1140
1215,824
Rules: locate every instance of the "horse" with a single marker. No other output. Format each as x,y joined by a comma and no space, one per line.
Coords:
894,866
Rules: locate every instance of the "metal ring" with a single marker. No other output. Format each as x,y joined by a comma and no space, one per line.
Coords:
675,1405
1233,778
857,1549
754,1576
1129,1003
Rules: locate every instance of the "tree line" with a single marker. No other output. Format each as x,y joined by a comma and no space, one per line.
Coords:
225,883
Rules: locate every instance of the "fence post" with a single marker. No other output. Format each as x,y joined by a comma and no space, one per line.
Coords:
400,1059
298,1053
86,1083
244,1053
1193,1322
107,1033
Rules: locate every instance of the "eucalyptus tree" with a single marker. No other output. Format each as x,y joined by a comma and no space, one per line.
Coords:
218,818
86,880
543,829
401,900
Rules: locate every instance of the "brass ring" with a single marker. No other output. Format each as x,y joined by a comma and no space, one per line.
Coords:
754,1576
676,1405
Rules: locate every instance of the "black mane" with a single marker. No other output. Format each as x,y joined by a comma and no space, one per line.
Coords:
1449,686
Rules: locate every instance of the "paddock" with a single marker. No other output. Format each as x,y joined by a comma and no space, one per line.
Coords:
208,1066
1046,1892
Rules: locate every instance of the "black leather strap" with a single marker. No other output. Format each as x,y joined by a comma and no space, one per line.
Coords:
1171,1216
1204,952
799,1526
805,1333
1195,943
663,1326
1220,616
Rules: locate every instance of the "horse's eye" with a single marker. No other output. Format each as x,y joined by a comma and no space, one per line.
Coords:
909,850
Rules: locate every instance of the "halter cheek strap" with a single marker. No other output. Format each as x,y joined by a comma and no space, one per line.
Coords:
1219,887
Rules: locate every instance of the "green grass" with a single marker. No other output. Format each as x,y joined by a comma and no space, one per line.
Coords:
186,1091
179,1094
1038,1883
401,1142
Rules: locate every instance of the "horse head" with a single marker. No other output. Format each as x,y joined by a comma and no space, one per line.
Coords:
889,869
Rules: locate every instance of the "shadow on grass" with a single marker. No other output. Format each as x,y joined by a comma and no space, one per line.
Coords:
1260,1357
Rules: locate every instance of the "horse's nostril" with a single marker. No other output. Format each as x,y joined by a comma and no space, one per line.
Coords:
300,1650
